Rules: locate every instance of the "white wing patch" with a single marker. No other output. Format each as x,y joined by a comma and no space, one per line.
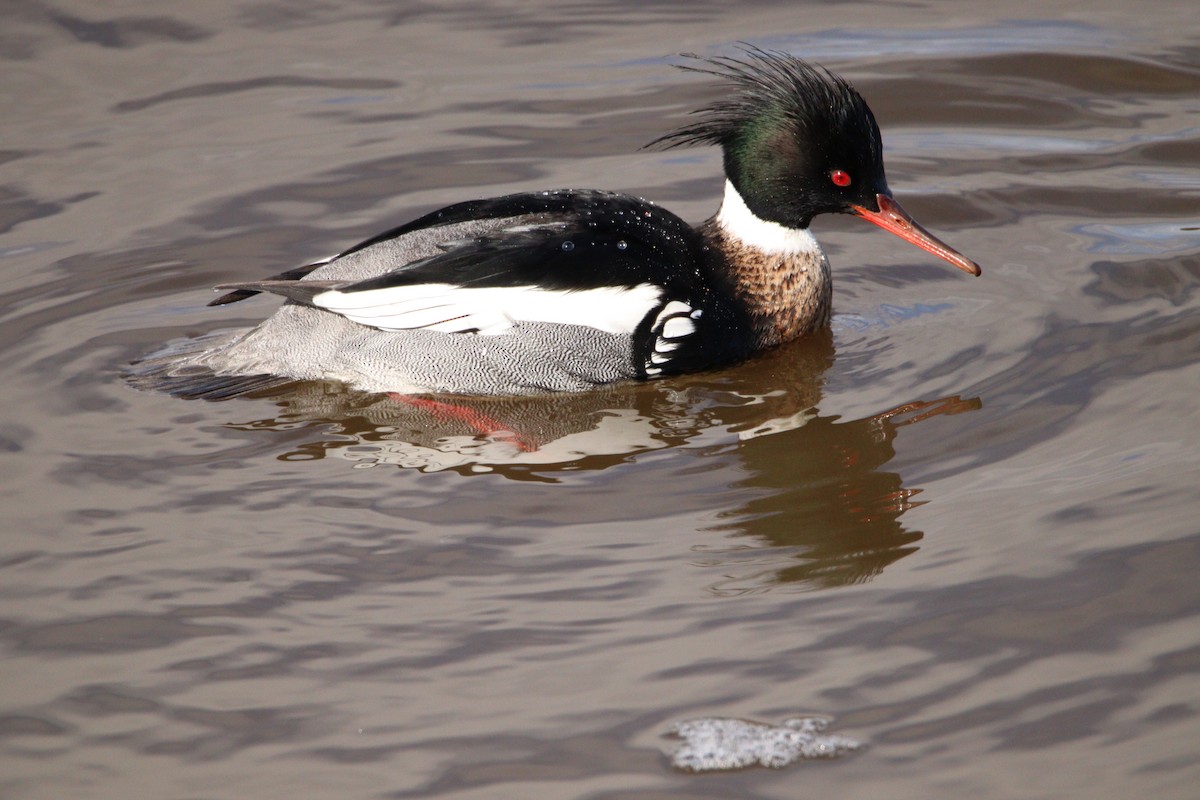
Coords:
450,308
674,323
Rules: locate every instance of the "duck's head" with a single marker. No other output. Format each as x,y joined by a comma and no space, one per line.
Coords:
799,141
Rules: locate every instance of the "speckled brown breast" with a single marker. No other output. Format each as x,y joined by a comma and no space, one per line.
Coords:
787,295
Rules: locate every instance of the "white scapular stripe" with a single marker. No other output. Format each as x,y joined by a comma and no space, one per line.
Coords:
674,322
673,308
492,310
770,237
677,327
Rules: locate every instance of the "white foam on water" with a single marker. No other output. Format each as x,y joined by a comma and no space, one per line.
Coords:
715,743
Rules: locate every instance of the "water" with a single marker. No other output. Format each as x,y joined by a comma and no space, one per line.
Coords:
963,527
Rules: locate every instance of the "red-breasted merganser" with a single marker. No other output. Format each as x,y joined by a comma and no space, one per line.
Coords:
564,290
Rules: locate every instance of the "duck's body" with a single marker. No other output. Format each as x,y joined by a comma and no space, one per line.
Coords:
564,290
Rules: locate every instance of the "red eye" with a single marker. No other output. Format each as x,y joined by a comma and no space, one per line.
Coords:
840,178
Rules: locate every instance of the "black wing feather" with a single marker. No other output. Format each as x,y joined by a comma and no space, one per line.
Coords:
589,240
566,240
558,202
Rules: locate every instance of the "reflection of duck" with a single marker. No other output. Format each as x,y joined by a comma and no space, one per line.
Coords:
827,511
563,430
804,495
567,290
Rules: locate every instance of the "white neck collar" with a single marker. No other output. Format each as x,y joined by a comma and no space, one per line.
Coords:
741,224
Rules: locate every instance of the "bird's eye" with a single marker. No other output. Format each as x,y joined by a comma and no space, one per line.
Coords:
840,177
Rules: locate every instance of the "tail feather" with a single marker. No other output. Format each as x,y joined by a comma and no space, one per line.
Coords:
299,291
169,370
287,275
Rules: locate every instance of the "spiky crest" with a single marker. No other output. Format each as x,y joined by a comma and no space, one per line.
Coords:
767,83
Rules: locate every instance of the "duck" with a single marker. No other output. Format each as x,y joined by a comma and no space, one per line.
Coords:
570,289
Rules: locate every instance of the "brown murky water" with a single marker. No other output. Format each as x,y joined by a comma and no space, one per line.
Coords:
965,527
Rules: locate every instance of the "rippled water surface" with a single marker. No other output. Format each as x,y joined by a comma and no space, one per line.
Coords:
964,526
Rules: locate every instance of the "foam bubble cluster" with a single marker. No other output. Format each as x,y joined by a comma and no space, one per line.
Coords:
713,743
